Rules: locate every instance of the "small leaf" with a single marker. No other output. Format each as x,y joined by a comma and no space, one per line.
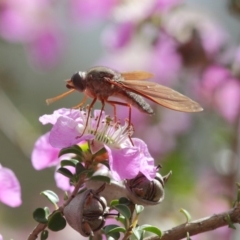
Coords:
229,221
139,209
124,210
186,214
47,211
113,228
113,231
40,216
101,178
69,162
188,236
152,229
65,172
65,196
56,222
73,149
51,196
44,235
124,200
106,164
79,168
138,233
114,202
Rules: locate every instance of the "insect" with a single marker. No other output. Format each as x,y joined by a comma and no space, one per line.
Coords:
100,83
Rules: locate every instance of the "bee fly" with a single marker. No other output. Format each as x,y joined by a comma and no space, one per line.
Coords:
100,83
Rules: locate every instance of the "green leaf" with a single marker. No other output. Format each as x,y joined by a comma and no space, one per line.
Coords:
229,221
56,222
65,172
44,235
186,214
113,231
113,228
114,202
75,149
101,178
51,196
47,211
69,162
138,233
106,164
139,209
79,168
152,229
123,209
40,215
124,200
188,236
65,196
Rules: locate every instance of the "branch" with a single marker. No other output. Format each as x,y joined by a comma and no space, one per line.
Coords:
201,225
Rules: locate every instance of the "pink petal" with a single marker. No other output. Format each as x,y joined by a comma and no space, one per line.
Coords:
124,163
10,190
228,100
64,133
52,118
44,155
147,166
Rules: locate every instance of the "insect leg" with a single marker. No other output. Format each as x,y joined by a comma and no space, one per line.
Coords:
99,118
88,114
113,103
81,103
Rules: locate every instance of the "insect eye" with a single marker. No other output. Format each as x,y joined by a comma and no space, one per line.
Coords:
78,82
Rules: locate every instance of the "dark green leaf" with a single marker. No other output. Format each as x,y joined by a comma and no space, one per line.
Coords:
40,216
139,208
56,222
79,168
44,235
51,196
101,178
124,210
124,200
75,149
69,162
113,228
65,172
151,229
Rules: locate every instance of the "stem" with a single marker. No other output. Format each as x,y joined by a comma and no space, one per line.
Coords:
201,225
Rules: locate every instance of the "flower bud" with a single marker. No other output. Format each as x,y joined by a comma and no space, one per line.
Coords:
86,212
145,192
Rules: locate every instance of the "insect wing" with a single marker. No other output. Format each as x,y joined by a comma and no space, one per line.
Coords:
137,75
162,95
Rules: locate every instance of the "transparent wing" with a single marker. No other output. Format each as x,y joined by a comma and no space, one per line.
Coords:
162,95
137,75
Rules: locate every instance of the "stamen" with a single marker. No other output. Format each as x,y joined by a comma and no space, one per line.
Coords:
108,132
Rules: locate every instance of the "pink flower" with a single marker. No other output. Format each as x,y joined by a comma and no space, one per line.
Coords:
119,35
165,62
44,155
91,10
10,190
222,90
125,160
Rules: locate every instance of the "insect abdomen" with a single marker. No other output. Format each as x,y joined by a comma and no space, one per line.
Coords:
137,101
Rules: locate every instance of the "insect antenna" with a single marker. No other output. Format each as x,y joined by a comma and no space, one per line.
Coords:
54,99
